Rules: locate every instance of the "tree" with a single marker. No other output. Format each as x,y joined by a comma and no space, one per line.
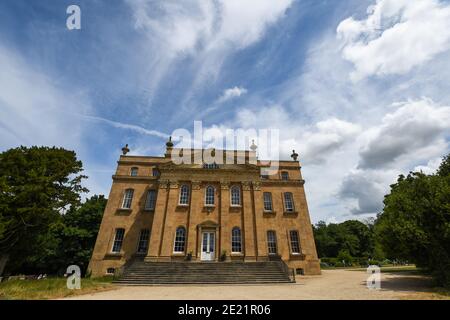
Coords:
415,222
353,237
37,184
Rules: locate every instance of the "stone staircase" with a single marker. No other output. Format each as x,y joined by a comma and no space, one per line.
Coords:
152,273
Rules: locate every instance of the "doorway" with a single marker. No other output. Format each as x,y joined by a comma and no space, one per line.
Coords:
208,246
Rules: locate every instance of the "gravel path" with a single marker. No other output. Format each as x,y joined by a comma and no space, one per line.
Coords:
332,284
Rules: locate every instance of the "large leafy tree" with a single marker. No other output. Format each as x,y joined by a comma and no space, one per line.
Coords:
37,185
415,222
70,240
353,237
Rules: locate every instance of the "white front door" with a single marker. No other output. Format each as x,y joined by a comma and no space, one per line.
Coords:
208,245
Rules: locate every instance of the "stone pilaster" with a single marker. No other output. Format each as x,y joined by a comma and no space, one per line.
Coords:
248,222
159,218
196,205
258,219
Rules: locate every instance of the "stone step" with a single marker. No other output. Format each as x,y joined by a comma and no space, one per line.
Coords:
148,273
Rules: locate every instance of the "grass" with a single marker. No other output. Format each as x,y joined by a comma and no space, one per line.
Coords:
50,288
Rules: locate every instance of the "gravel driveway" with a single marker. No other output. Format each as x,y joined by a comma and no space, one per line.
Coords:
332,284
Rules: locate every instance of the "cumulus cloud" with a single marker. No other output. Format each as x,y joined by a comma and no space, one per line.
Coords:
430,167
413,126
232,93
327,137
396,36
368,193
315,142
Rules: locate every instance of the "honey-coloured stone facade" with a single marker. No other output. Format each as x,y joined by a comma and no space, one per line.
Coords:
224,214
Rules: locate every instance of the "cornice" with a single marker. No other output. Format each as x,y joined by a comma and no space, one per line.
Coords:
137,178
283,182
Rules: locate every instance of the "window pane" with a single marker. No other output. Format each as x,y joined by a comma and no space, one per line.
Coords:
151,200
184,194
268,201
284,175
236,245
209,197
118,240
134,172
127,199
180,238
143,241
295,245
272,242
235,196
288,202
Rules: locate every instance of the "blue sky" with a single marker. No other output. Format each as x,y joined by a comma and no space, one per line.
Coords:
358,88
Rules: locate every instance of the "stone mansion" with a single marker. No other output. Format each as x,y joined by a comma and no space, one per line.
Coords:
159,211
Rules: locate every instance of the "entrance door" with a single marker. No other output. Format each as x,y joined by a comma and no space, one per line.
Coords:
208,244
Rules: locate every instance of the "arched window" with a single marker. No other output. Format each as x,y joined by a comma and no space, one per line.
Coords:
134,171
184,194
272,242
268,207
235,196
236,244
284,175
127,199
209,196
180,240
288,202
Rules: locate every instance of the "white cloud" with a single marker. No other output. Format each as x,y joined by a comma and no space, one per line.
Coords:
231,93
396,36
430,167
329,136
127,126
413,126
192,25
365,188
34,110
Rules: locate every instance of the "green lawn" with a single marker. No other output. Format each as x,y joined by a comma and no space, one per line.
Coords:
50,288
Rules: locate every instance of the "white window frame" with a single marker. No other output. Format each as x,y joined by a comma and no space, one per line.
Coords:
287,200
270,202
178,239
236,239
118,238
184,195
134,172
232,196
150,205
295,243
209,197
127,200
272,243
144,237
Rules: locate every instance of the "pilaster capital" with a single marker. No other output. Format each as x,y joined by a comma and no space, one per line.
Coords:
256,185
163,184
246,185
224,185
173,184
196,185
